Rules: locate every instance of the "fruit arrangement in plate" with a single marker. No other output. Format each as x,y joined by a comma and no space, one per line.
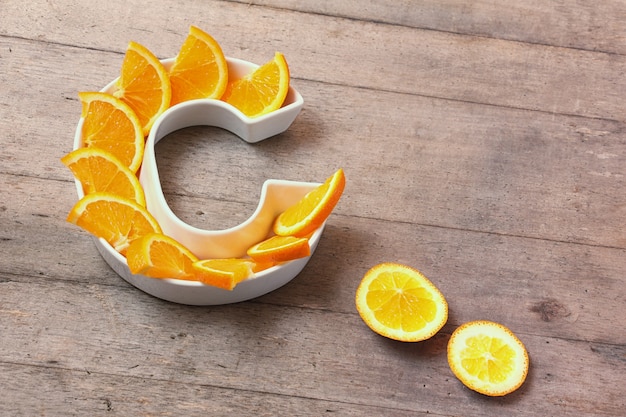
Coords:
114,127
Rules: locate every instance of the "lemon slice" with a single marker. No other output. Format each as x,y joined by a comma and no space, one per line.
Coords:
488,358
398,302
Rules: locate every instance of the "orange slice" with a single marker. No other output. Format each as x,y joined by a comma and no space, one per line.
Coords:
262,266
262,91
115,219
158,256
144,85
223,273
398,302
110,124
200,69
280,249
99,170
488,358
312,210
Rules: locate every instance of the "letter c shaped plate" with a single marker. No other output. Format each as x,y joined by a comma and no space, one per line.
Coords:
276,196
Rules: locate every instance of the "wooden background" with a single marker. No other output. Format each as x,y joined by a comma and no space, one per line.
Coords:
483,143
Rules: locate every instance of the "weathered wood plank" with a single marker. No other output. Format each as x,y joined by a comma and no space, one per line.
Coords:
589,25
281,351
63,392
39,106
416,61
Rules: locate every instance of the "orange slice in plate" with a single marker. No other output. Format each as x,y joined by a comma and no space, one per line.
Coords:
144,85
199,70
262,266
99,170
110,124
262,91
158,256
280,249
399,302
116,219
223,273
312,210
488,358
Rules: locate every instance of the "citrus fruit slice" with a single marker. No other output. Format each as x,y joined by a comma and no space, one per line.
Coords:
312,210
144,85
488,358
110,124
262,91
223,273
262,266
115,219
158,256
99,170
398,302
199,70
280,249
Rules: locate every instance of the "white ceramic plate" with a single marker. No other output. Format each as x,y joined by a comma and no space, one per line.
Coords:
276,196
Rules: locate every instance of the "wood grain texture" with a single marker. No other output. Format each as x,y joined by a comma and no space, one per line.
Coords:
590,26
483,143
382,57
